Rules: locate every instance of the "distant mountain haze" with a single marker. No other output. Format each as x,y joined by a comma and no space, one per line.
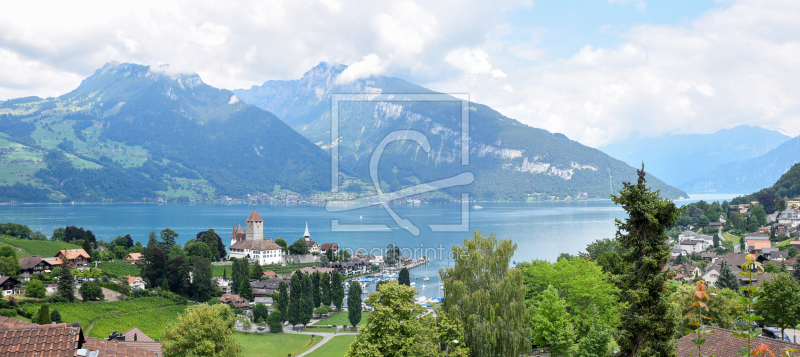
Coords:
749,175
510,160
679,159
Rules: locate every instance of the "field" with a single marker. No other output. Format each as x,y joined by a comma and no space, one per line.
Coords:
151,315
218,269
336,347
44,247
273,344
732,238
152,322
340,318
119,268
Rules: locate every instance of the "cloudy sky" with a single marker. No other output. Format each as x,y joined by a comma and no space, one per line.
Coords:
600,71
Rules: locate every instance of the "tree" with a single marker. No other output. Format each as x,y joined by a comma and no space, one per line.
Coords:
299,247
403,278
307,300
487,298
257,273
55,316
197,249
204,331
246,290
779,302
337,290
35,289
392,255
354,304
155,266
325,286
275,322
329,255
260,312
152,241
724,307
224,273
281,242
771,267
87,247
66,283
177,275
44,315
282,302
202,286
551,324
716,240
168,237
295,298
91,291
646,328
9,265
58,234
595,343
758,214
727,279
213,241
316,293
391,327
240,273
586,290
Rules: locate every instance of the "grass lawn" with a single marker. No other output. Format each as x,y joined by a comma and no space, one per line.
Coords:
321,329
120,268
273,344
336,347
219,269
732,238
46,248
340,318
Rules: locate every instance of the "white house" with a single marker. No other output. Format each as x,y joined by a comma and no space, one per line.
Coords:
252,244
694,246
136,283
710,276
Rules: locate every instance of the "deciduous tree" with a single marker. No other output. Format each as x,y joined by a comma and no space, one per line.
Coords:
35,289
487,298
646,327
779,302
91,291
260,311
168,237
204,331
551,323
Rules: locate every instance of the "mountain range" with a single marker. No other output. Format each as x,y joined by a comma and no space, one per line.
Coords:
134,133
680,159
510,160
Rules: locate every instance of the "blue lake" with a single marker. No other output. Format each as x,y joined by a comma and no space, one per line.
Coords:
541,230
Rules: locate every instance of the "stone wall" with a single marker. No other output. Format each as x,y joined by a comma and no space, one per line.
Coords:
300,259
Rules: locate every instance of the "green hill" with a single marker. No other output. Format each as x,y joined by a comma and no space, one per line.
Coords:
44,248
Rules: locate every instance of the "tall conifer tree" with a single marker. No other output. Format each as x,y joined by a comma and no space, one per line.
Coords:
354,304
307,300
646,325
283,299
295,297
727,279
325,285
337,290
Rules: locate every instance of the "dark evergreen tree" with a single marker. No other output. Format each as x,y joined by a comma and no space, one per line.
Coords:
295,298
246,290
404,277
202,274
44,315
66,284
337,290
354,304
282,302
224,273
329,255
727,279
646,326
257,273
315,288
796,270
716,240
155,266
307,300
325,285
55,316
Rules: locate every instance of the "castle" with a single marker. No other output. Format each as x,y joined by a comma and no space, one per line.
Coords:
252,244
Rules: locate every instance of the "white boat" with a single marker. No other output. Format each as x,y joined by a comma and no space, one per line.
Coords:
441,286
423,286
476,207
426,279
413,283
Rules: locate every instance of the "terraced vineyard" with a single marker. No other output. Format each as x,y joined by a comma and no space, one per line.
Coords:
218,269
46,248
151,315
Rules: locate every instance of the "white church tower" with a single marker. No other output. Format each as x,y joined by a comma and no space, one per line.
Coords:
306,235
255,227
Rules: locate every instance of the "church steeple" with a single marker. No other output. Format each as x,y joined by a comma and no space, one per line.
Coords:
307,236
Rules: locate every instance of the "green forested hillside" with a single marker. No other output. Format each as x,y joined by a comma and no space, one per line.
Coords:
129,133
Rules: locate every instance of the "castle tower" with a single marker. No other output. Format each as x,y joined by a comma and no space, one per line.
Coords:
306,235
255,227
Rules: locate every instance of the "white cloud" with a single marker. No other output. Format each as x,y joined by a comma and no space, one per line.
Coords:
369,66
472,61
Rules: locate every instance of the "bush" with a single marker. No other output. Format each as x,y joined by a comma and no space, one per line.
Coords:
274,321
35,289
55,316
8,312
91,291
111,286
55,299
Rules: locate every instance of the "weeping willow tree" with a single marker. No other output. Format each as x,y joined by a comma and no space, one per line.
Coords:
646,327
487,298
